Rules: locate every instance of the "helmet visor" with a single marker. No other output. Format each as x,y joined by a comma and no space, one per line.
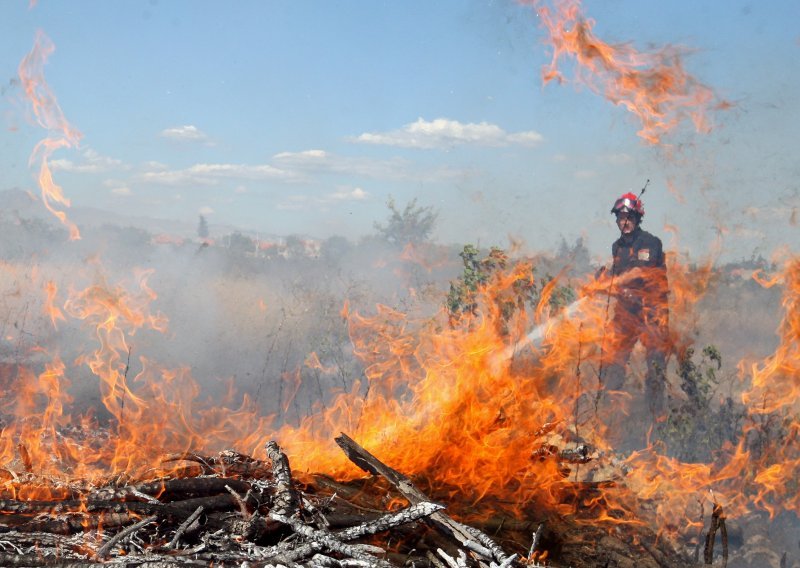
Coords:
624,204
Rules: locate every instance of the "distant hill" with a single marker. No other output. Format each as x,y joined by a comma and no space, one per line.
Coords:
16,202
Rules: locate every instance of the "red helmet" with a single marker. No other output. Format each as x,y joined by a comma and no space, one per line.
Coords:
628,203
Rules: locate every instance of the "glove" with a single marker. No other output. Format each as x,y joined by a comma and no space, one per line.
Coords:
626,295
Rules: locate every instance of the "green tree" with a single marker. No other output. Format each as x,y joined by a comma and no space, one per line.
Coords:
414,224
696,428
334,248
241,244
295,246
202,228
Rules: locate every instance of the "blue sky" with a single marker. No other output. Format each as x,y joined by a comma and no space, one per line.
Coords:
303,117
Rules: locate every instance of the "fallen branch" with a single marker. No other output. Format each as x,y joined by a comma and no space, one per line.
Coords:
286,501
106,548
184,527
369,463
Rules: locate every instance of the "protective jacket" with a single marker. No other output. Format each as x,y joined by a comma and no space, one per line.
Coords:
647,291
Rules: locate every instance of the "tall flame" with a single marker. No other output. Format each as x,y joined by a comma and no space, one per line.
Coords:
49,116
654,86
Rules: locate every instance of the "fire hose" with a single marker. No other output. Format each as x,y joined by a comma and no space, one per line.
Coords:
533,339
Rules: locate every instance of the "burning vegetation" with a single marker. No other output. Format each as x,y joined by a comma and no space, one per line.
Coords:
463,409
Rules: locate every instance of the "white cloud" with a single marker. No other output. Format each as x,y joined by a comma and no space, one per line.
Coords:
747,232
346,194
445,133
91,162
342,195
293,203
155,166
768,212
122,190
212,174
310,156
321,162
188,133
618,159
205,210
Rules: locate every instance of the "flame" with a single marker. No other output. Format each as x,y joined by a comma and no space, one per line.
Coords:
425,256
776,380
53,311
49,116
436,405
760,277
143,414
654,86
313,362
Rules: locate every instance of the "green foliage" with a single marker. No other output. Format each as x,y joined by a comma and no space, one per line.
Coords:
698,381
202,228
463,295
414,224
510,287
295,246
695,430
127,236
561,295
334,248
767,434
240,244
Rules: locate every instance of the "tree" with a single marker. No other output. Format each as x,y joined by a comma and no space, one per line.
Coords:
414,224
295,246
241,244
334,248
202,228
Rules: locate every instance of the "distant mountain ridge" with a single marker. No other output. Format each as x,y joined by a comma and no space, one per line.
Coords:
21,203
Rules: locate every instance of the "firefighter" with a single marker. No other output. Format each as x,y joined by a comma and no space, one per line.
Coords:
641,312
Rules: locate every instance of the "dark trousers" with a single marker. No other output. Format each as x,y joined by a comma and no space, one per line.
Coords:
627,328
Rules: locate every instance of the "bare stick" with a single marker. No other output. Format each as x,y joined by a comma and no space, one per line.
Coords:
285,499
184,526
708,553
537,536
106,548
408,515
329,541
366,461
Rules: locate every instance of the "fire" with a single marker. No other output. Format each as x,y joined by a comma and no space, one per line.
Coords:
144,413
53,311
49,116
437,406
313,362
654,86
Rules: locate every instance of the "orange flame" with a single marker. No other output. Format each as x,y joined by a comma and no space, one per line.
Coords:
760,277
50,117
437,406
654,86
50,308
